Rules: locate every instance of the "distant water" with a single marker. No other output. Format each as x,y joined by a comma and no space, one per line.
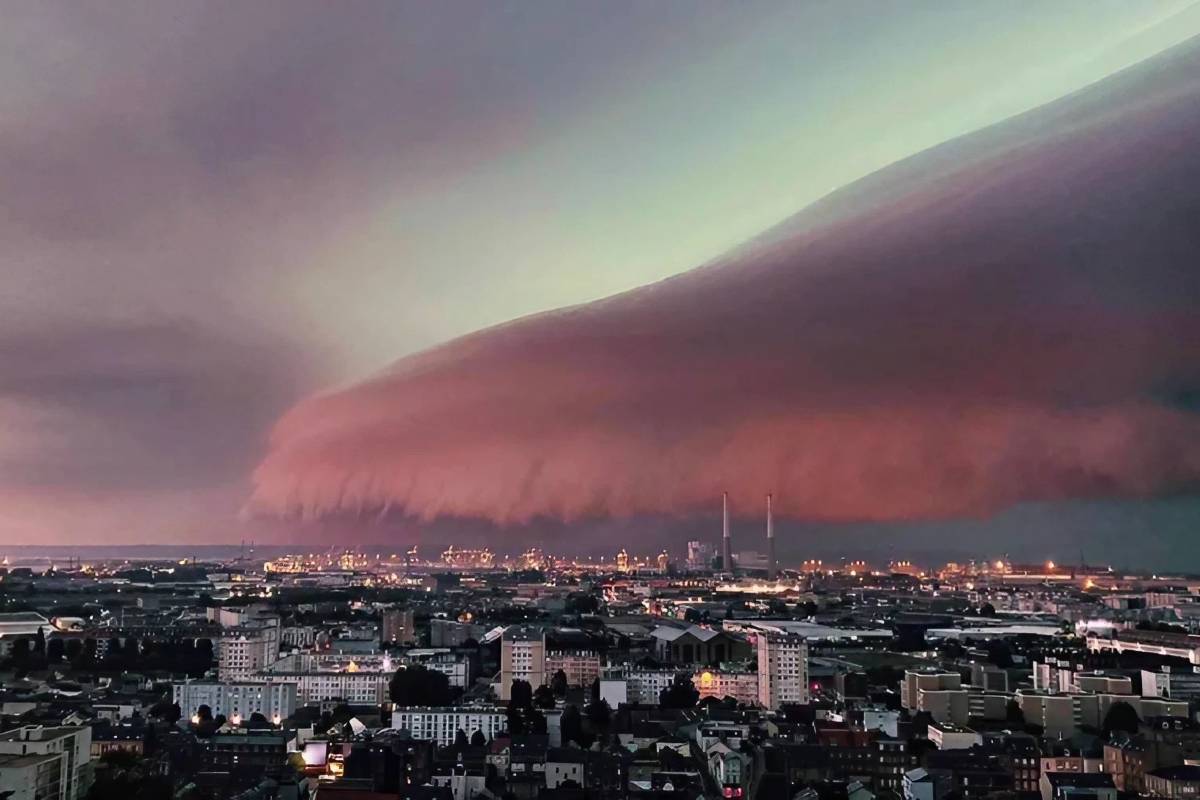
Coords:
38,555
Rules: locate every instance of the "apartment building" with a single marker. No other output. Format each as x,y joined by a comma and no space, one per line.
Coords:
72,743
442,723
522,657
782,670
275,700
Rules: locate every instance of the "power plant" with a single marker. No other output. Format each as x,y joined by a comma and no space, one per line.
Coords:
771,566
727,563
726,542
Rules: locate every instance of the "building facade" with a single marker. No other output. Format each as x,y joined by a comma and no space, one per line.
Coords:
72,743
275,700
442,723
522,657
782,670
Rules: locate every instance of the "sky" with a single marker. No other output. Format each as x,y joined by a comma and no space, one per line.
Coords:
212,211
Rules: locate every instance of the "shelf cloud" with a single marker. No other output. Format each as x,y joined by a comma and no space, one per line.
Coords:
1008,317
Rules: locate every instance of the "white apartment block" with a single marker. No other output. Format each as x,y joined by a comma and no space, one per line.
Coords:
928,680
275,700
645,685
361,680
441,724
941,695
32,777
73,743
782,670
1064,714
243,651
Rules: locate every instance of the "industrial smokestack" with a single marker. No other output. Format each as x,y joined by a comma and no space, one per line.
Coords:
771,570
726,541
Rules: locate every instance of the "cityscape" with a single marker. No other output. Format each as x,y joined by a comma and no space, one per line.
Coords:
463,674
600,400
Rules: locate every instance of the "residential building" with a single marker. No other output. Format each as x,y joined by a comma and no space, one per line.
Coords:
581,665
1171,684
1062,715
1126,759
447,633
32,777
645,685
457,667
921,784
948,736
354,679
245,650
730,768
74,743
782,670
937,692
1178,783
274,699
442,723
741,685
522,657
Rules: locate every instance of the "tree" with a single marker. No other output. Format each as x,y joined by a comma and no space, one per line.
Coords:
951,649
460,739
161,709
999,653
558,684
204,713
39,642
571,724
521,694
583,603
544,697
1121,717
682,693
414,685
478,739
515,718
987,610
1014,715
20,653
599,713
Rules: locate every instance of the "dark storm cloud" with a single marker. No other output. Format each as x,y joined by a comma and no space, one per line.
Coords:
137,407
988,324
168,172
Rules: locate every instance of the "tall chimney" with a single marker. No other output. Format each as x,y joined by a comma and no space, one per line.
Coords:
771,569
726,541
